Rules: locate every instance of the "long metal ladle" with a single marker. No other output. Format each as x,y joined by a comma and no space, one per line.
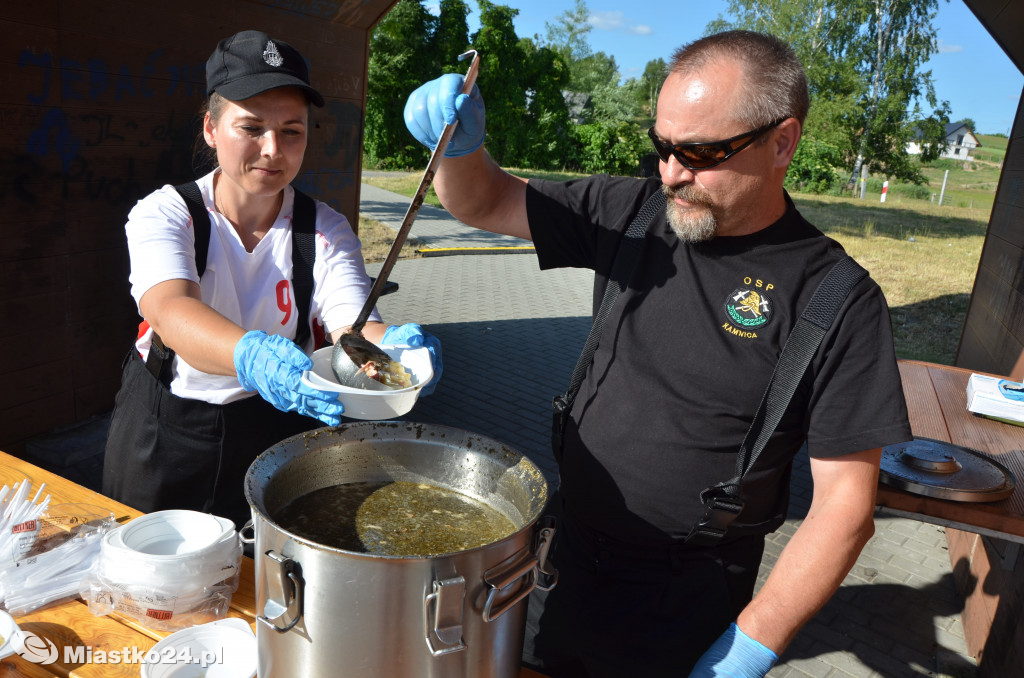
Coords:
353,351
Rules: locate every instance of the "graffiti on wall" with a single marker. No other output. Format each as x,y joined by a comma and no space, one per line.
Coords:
81,132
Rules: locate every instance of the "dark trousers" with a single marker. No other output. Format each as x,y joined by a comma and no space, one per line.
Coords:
620,610
166,452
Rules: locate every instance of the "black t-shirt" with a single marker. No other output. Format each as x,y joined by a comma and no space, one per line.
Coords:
686,354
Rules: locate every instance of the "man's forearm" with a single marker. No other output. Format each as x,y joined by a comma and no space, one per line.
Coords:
809,571
480,194
821,552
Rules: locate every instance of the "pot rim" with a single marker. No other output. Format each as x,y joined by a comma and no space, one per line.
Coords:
528,521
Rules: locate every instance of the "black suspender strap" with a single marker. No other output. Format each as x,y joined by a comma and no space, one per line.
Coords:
190,192
303,257
722,502
160,358
617,279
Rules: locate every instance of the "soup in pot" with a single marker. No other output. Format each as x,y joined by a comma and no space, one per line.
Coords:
398,518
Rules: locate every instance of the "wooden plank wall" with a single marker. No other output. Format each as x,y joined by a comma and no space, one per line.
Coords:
993,335
98,107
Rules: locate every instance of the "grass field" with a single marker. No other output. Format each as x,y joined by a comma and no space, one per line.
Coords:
992,149
924,257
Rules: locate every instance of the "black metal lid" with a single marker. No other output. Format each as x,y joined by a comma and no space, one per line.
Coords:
945,471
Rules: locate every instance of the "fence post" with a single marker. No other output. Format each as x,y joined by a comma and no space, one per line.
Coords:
942,193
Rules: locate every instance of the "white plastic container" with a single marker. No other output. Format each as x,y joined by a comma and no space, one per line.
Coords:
220,649
364,404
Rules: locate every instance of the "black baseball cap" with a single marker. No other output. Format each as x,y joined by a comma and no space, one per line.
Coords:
251,62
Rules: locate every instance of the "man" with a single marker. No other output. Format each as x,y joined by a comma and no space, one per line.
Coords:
723,274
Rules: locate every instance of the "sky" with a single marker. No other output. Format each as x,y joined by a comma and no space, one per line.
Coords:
970,70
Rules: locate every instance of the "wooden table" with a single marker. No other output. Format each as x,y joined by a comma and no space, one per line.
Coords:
984,539
937,404
71,624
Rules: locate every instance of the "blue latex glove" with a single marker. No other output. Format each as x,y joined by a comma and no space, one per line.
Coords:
273,366
735,655
412,334
439,102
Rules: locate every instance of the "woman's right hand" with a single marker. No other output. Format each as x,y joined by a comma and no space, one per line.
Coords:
273,365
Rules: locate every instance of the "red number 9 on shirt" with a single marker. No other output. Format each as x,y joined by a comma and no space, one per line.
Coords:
284,300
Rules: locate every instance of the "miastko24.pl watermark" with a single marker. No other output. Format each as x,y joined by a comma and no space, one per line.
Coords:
40,650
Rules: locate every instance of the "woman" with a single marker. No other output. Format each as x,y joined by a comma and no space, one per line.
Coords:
186,427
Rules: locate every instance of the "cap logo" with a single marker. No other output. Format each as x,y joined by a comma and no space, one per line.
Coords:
271,55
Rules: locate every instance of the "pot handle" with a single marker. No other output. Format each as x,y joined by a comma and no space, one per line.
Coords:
442,615
502,580
284,598
251,539
547,575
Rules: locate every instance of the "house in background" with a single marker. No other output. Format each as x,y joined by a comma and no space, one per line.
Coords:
959,142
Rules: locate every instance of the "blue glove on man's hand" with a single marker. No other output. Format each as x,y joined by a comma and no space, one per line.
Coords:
439,102
735,655
412,334
273,366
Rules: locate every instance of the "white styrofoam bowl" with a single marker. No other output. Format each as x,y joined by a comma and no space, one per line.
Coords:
177,552
365,404
11,635
174,533
229,643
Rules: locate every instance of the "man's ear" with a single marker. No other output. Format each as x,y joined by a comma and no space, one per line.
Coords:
787,135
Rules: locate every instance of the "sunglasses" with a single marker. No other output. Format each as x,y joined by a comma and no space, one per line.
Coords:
697,155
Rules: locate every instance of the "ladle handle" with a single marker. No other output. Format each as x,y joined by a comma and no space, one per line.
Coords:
417,200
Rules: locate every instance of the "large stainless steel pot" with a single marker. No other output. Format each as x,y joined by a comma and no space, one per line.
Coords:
324,611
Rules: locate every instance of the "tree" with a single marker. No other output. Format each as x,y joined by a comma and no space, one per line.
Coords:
549,144
593,72
401,58
502,64
567,35
452,36
971,125
522,82
613,147
650,85
863,60
900,39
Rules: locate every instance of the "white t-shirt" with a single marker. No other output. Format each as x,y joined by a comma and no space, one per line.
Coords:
253,289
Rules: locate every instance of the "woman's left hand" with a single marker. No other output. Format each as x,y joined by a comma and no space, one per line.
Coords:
411,334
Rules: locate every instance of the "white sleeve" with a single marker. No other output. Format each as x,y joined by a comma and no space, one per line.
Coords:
341,283
161,241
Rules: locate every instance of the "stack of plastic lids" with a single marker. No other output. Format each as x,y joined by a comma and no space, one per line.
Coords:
167,570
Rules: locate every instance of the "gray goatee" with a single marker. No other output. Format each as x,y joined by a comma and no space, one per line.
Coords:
695,224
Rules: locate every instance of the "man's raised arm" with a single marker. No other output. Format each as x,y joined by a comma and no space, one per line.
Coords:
470,185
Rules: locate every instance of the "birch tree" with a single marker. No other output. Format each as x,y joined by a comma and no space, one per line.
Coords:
900,39
864,61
